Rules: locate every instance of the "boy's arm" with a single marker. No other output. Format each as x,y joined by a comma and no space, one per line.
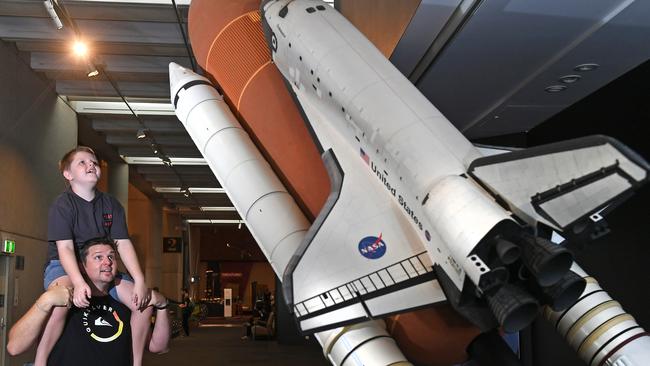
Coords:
69,263
159,342
25,332
140,296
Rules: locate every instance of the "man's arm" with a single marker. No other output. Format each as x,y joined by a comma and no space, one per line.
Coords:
130,260
159,342
27,329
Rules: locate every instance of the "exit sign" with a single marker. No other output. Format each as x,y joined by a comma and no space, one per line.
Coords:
10,246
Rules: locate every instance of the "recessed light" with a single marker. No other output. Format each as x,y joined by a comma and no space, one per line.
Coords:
586,67
154,160
207,208
555,88
570,79
192,190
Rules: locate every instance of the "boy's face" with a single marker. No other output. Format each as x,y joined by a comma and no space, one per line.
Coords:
83,169
100,265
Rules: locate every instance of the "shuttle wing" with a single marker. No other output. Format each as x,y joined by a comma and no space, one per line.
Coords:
560,184
361,259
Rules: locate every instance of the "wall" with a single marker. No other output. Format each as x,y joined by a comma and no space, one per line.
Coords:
172,263
36,129
145,229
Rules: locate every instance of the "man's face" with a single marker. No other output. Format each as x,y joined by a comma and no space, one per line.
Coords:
100,264
83,169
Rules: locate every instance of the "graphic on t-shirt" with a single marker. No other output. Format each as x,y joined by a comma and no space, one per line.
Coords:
99,324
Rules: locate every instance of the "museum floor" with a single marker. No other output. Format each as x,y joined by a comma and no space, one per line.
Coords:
224,346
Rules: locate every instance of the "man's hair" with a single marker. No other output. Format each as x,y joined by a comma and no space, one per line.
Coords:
83,251
66,160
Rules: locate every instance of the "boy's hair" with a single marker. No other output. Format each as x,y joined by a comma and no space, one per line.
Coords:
66,160
83,251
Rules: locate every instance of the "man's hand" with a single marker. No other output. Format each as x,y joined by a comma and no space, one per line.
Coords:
55,296
82,295
141,295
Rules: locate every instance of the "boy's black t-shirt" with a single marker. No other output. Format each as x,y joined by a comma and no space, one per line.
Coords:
98,335
72,217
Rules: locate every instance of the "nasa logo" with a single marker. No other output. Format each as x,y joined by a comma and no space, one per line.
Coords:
372,247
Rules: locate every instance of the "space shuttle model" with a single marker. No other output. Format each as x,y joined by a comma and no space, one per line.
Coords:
416,215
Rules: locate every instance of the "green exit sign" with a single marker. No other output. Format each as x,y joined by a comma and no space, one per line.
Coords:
10,246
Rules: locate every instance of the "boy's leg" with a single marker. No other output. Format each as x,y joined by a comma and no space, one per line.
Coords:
140,320
53,328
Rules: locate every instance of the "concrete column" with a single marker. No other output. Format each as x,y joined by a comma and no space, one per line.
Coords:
118,183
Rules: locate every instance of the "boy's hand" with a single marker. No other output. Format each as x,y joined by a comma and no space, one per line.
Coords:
81,295
55,296
141,295
158,300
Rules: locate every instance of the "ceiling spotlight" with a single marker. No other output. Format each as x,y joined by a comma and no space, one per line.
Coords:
91,70
239,226
155,149
142,133
80,48
49,6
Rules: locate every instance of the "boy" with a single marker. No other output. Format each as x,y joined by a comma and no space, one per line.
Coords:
77,215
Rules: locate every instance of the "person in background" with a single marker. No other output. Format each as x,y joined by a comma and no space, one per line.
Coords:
186,309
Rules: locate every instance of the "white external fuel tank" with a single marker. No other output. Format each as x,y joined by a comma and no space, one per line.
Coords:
271,214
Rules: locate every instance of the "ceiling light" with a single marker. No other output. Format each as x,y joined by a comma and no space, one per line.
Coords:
570,79
222,209
91,70
192,190
155,149
586,67
211,221
49,6
555,88
80,48
142,133
166,161
151,160
141,108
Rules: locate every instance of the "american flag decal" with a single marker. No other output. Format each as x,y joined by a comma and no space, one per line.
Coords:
364,156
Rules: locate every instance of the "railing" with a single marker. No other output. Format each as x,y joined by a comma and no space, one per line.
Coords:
412,270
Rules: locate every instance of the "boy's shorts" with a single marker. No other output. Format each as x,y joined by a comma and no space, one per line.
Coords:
55,270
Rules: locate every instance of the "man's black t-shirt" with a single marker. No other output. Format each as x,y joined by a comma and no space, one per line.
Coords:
98,335
73,218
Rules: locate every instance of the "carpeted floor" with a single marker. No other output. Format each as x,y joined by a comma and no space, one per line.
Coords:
219,345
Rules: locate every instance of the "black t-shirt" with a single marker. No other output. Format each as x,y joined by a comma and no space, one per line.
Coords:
98,335
72,217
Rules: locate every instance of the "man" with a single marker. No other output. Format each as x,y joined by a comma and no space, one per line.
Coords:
99,334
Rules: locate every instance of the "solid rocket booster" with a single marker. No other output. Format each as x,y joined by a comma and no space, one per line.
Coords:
271,214
598,328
